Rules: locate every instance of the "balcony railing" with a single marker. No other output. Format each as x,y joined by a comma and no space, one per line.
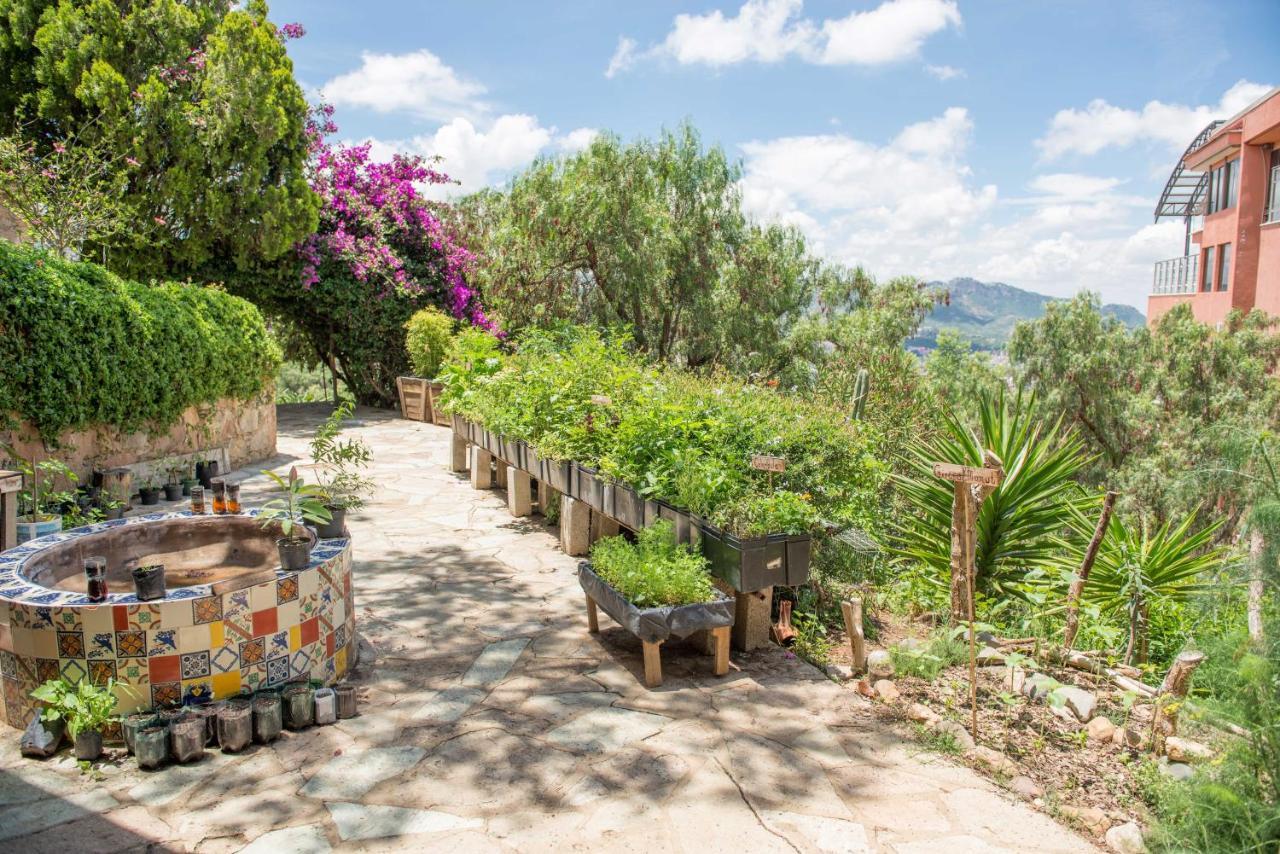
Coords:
1176,276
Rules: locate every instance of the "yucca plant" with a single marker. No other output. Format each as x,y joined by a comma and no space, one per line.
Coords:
1024,524
1136,566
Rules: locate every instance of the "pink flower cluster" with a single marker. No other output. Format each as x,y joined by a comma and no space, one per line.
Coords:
375,222
292,31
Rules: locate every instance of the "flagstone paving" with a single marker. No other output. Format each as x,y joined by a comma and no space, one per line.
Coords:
492,721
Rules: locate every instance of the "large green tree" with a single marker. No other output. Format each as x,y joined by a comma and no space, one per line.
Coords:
650,235
199,97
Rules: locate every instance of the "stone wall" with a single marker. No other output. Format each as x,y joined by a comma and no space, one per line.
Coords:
241,431
9,227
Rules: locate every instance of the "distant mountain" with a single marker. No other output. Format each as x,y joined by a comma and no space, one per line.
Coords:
986,312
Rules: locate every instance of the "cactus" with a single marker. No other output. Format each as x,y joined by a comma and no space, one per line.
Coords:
861,388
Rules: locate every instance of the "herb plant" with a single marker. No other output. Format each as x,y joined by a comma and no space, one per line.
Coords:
302,502
84,706
655,570
341,462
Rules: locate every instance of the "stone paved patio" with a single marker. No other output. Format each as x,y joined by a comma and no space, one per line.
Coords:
493,721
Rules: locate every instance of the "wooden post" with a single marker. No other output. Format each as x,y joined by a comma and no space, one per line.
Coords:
721,636
519,493
10,484
852,611
1257,574
593,618
575,526
652,663
1174,689
1082,577
457,453
481,468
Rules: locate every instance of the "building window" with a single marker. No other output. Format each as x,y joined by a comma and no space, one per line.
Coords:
1224,186
1206,270
1224,266
1273,188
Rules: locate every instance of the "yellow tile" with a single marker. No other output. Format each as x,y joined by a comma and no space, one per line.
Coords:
226,684
217,634
295,638
340,661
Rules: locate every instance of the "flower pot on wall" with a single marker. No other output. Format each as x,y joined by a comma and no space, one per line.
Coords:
295,553
336,527
414,402
30,530
148,582
149,495
173,492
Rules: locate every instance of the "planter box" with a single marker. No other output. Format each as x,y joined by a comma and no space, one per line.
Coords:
415,400
756,563
559,475
509,452
587,487
460,426
491,442
533,463
628,507
678,518
433,396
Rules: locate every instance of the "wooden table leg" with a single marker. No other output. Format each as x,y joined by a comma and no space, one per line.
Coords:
593,619
652,664
721,636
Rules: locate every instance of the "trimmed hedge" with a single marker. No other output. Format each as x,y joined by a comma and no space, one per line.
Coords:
79,346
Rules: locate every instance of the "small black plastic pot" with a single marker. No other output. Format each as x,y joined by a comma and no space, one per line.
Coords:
336,526
113,513
295,553
151,746
173,492
88,745
148,582
187,483
131,725
149,495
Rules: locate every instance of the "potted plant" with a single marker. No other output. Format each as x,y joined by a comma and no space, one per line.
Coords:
427,336
302,503
340,463
173,486
34,520
148,582
110,506
148,491
85,707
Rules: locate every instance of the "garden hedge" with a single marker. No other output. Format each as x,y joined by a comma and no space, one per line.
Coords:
81,347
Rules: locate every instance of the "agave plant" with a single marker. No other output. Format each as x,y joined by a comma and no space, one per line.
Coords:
1024,524
1136,566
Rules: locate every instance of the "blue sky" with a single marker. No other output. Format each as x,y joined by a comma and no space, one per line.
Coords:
1008,140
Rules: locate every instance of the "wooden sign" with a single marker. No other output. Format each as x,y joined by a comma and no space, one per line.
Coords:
761,462
968,474
601,399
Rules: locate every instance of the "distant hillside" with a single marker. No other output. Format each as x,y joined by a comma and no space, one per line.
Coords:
985,313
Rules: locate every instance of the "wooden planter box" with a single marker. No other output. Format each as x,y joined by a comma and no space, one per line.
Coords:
626,505
558,475
756,563
415,398
653,626
587,487
460,426
433,396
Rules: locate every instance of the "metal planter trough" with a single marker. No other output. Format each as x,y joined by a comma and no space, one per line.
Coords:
587,487
653,626
627,507
558,475
758,562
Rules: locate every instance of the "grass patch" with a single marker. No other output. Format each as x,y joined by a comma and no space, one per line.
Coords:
929,659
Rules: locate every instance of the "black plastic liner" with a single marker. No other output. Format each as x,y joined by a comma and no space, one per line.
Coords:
653,625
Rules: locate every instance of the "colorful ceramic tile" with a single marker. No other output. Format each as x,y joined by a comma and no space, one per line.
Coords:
262,597
145,616
253,677
195,665
308,584
162,642
100,672
264,622
165,668
295,638
166,693
226,684
278,670
196,691
120,617
309,631
340,660
225,659
70,645
8,665
329,645
98,620
68,619
102,645
278,644
236,602
340,637
46,669
253,652
206,609
287,590
288,614
300,664
73,669
44,643
175,613
131,644
133,672
194,638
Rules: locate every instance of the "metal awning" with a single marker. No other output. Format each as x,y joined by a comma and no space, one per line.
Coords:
1186,190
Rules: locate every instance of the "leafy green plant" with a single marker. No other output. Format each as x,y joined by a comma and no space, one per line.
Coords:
33,502
655,570
929,659
341,462
428,333
84,706
302,502
1022,523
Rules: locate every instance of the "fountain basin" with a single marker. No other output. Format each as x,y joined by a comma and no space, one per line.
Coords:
231,619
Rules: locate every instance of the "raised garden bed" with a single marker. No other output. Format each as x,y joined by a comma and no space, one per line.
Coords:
653,626
757,562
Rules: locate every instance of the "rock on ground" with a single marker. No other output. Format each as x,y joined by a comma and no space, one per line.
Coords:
887,691
1025,788
1185,750
880,663
1126,838
1101,729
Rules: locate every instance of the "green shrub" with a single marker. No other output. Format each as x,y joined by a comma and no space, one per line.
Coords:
930,659
655,570
79,346
427,340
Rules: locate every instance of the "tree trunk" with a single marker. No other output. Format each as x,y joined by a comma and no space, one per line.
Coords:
1174,689
1257,554
959,560
1086,566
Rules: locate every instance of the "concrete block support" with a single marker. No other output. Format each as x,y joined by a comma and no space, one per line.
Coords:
602,526
544,497
457,453
519,493
752,613
501,469
575,526
481,468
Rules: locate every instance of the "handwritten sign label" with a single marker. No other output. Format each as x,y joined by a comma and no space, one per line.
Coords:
968,474
762,462
601,399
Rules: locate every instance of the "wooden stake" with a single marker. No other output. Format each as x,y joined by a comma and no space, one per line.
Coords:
652,663
1257,551
852,611
1086,566
593,618
721,637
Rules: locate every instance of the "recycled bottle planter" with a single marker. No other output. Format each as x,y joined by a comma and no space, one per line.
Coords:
346,696
197,500
326,703
235,725
295,553
95,578
298,700
267,716
219,497
151,746
148,495
188,483
186,738
30,529
208,715
173,492
131,725
88,745
148,582
336,526
233,498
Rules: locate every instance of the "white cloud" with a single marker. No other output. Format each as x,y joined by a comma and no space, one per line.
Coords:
417,82
1073,186
576,140
945,72
773,30
1103,125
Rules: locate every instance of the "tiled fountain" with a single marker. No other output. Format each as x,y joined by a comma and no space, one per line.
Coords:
231,618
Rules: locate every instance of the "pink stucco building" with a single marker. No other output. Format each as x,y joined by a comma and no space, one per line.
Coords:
1227,189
